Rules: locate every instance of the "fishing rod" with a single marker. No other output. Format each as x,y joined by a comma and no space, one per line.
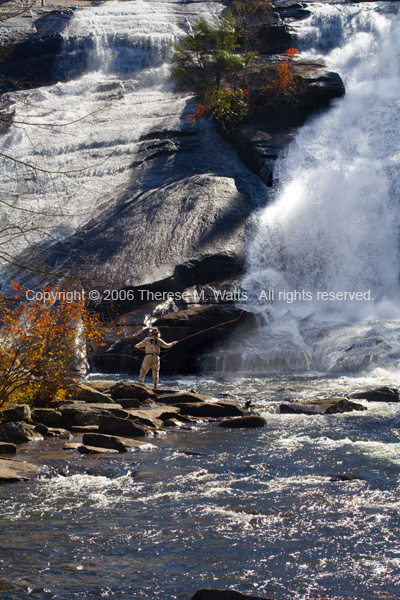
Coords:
181,340
213,327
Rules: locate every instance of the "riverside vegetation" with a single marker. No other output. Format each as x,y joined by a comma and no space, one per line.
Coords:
221,65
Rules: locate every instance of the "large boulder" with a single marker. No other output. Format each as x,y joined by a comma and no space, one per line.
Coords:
86,393
47,416
122,427
102,385
247,421
80,413
132,390
383,394
18,431
323,406
121,444
15,470
20,412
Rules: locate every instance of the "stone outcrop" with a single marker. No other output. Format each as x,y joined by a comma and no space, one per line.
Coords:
246,421
189,230
324,406
260,142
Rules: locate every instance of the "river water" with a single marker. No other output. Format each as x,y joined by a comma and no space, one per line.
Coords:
255,510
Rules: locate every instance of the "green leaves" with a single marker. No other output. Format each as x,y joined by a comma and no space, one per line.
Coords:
204,55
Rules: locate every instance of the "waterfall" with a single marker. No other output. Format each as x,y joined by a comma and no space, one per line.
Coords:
83,133
327,245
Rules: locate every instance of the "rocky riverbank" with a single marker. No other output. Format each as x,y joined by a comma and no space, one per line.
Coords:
108,417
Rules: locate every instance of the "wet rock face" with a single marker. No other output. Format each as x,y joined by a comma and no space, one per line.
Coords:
32,60
197,223
383,394
260,142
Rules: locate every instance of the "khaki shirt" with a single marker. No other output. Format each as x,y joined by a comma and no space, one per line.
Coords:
152,345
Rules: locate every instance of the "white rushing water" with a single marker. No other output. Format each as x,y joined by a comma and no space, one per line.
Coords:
332,224
82,134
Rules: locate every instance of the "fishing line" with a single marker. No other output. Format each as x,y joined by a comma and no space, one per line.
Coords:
181,340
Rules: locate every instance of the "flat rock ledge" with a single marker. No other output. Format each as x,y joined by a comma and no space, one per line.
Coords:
323,406
15,470
113,442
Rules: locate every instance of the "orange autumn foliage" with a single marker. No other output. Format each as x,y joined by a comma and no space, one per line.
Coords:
285,73
43,345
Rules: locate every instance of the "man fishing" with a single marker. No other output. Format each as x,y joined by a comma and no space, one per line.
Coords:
152,345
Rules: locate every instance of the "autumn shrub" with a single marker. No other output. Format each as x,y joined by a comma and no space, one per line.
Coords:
282,91
43,345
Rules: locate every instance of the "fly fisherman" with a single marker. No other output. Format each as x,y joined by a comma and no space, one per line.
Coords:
152,345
